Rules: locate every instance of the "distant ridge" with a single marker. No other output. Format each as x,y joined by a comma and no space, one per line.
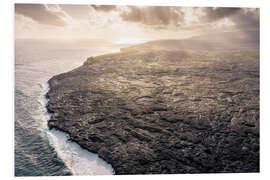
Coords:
215,41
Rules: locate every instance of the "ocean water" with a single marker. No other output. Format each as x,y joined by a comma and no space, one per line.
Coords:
38,150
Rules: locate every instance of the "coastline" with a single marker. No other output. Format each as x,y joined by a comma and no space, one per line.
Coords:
110,111
76,158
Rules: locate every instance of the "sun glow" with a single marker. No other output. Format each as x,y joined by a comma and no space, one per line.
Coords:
130,40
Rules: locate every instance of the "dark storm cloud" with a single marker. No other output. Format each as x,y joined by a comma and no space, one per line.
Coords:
40,13
215,14
154,15
248,21
104,7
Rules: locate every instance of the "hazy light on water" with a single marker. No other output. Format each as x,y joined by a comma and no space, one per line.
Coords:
35,63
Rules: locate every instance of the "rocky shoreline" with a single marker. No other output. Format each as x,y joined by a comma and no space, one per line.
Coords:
163,112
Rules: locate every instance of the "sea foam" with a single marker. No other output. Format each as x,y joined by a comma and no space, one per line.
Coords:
79,161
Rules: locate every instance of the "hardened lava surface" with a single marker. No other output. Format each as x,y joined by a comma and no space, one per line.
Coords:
164,112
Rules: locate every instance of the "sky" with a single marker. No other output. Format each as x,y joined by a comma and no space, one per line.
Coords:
125,24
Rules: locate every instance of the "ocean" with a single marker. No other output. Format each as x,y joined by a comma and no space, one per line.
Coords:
38,150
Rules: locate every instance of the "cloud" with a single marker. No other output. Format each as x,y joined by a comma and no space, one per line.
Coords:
241,22
154,15
164,17
154,21
192,19
248,21
215,14
245,20
42,13
76,11
104,7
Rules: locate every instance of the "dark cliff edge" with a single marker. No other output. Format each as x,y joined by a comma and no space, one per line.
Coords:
159,110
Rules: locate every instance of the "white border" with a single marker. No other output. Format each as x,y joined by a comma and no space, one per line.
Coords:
7,82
